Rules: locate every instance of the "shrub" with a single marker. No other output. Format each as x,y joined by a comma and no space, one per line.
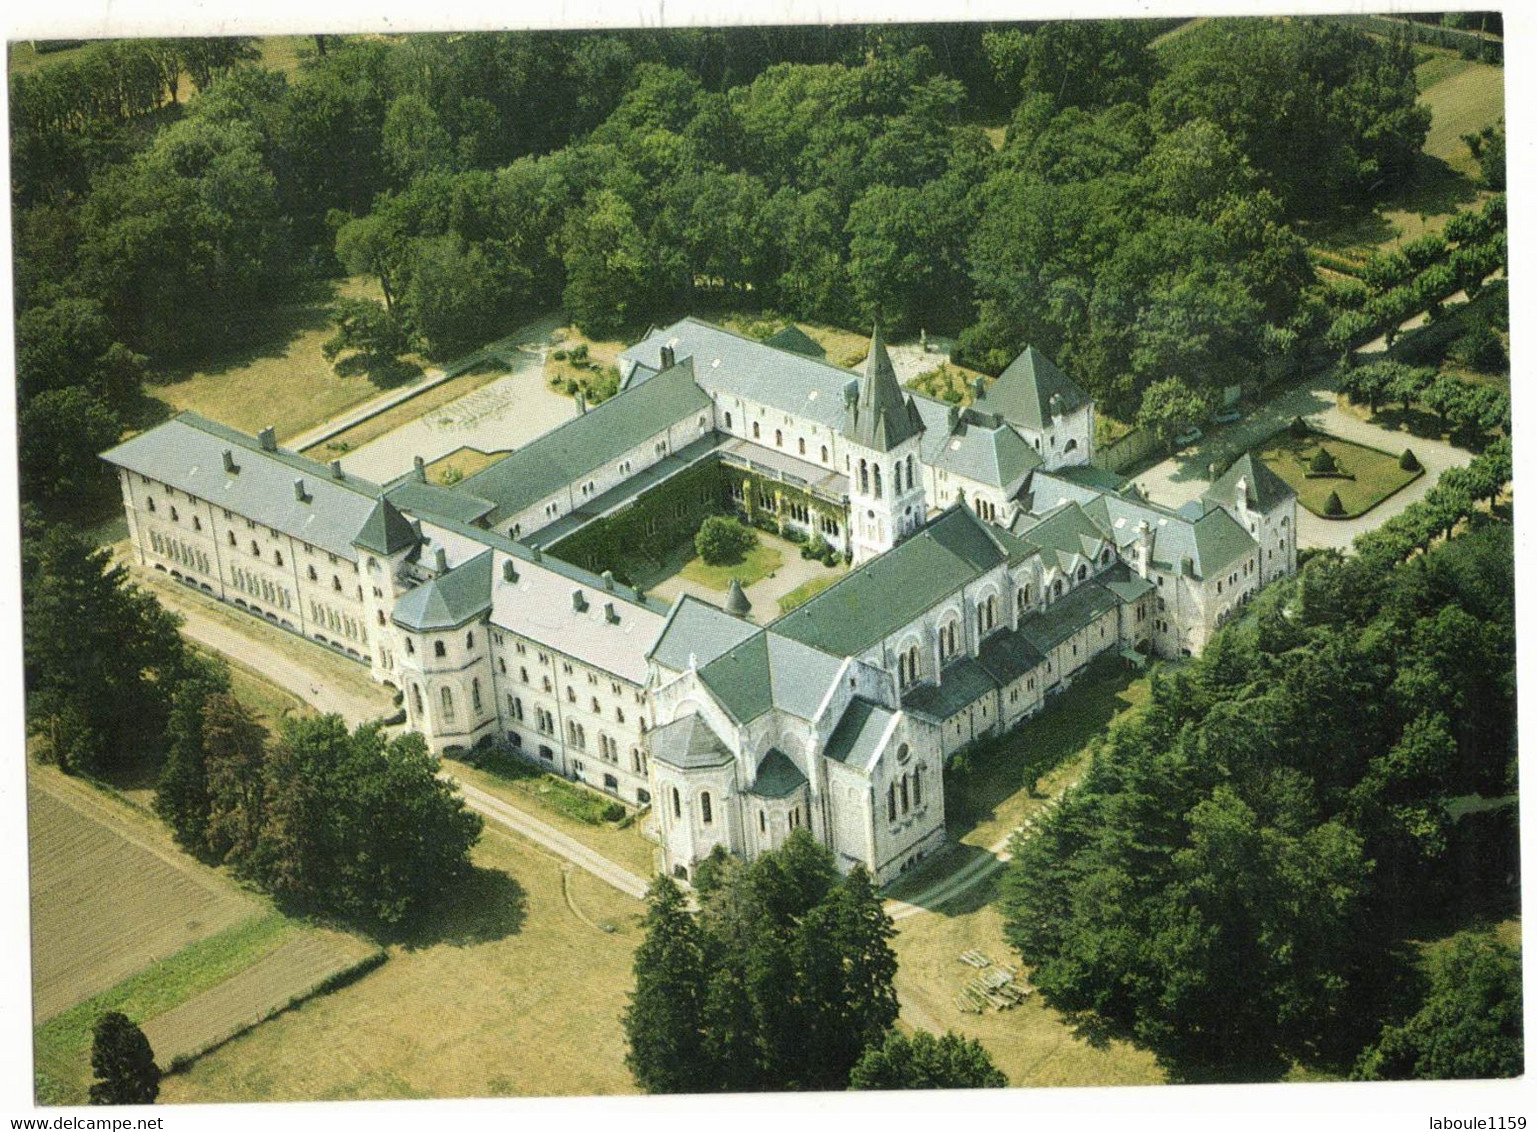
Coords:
1409,462
579,353
1333,507
816,548
1299,427
571,387
722,541
1323,463
559,355
793,534
613,812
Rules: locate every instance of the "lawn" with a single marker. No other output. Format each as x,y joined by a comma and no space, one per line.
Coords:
460,464
404,413
518,994
804,592
1032,1044
758,563
1463,101
1369,476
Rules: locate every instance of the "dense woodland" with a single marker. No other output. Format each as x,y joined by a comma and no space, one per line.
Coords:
1135,220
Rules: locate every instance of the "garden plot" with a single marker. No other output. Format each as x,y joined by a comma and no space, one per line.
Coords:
107,899
298,969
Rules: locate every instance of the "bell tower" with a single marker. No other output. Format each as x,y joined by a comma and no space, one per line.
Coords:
882,431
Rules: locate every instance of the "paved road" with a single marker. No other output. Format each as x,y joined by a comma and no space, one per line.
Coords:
1184,476
356,707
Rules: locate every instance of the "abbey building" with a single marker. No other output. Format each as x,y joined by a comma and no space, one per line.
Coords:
991,562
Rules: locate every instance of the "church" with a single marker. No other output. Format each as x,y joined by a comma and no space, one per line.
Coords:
991,562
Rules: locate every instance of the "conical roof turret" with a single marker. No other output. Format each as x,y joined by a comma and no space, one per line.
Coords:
736,601
882,416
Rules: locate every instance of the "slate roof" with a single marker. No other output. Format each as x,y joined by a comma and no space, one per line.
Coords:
965,681
777,777
796,341
449,600
688,744
697,628
891,590
187,452
411,494
1125,583
588,442
858,734
1263,487
1075,611
386,530
727,363
1006,656
883,415
770,671
992,454
1023,392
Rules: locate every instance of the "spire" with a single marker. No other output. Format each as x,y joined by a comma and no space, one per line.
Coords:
882,416
736,601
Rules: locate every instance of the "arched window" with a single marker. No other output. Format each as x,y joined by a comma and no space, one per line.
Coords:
728,420
410,647
469,640
904,793
677,803
762,821
1104,557
1024,599
755,430
909,471
802,445
779,438
891,802
864,477
475,695
1083,572
416,699
896,478
1069,446
447,696
704,808
231,535
438,649
824,453
877,481
256,551
150,503
1056,588
913,670
917,786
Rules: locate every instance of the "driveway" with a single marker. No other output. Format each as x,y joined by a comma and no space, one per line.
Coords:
1185,475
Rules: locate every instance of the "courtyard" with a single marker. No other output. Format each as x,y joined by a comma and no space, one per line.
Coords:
1365,478
769,574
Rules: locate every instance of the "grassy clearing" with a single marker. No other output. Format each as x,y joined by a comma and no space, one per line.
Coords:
277,53
460,464
273,371
1464,101
1032,1044
757,564
404,413
1376,475
516,996
62,1045
804,592
561,804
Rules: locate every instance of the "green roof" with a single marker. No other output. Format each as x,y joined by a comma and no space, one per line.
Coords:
1126,584
796,341
964,683
891,590
1087,475
1007,656
696,629
1070,614
858,734
992,454
386,530
1023,392
588,442
770,671
449,600
777,776
883,415
1220,541
688,744
435,501
1263,487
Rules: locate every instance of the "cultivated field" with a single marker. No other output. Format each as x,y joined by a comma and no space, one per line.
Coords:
517,994
110,895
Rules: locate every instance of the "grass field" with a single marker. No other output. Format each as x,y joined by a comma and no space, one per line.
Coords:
278,53
758,563
1463,100
460,464
273,372
110,894
404,413
1032,1044
1376,474
517,995
804,592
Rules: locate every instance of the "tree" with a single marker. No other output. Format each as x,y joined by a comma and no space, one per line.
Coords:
1334,507
1469,1024
1488,149
368,330
615,274
124,1064
662,1021
1323,462
1409,462
926,1062
1407,383
61,434
375,245
1169,406
415,142
455,301
722,540
1370,384
181,789
234,758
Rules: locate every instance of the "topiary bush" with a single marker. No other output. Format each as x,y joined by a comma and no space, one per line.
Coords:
1299,427
1333,507
1409,462
1323,463
722,541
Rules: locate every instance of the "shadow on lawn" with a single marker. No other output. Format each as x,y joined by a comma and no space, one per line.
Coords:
262,332
487,906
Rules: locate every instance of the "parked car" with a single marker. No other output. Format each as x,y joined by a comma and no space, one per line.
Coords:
1227,416
1188,437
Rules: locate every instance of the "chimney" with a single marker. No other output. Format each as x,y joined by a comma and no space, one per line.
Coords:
581,402
268,439
1242,492
669,357
1055,405
955,417
608,580
578,601
1144,547
229,462
299,493
1187,566
440,560
509,570
978,387
610,614
851,393
420,466
336,470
